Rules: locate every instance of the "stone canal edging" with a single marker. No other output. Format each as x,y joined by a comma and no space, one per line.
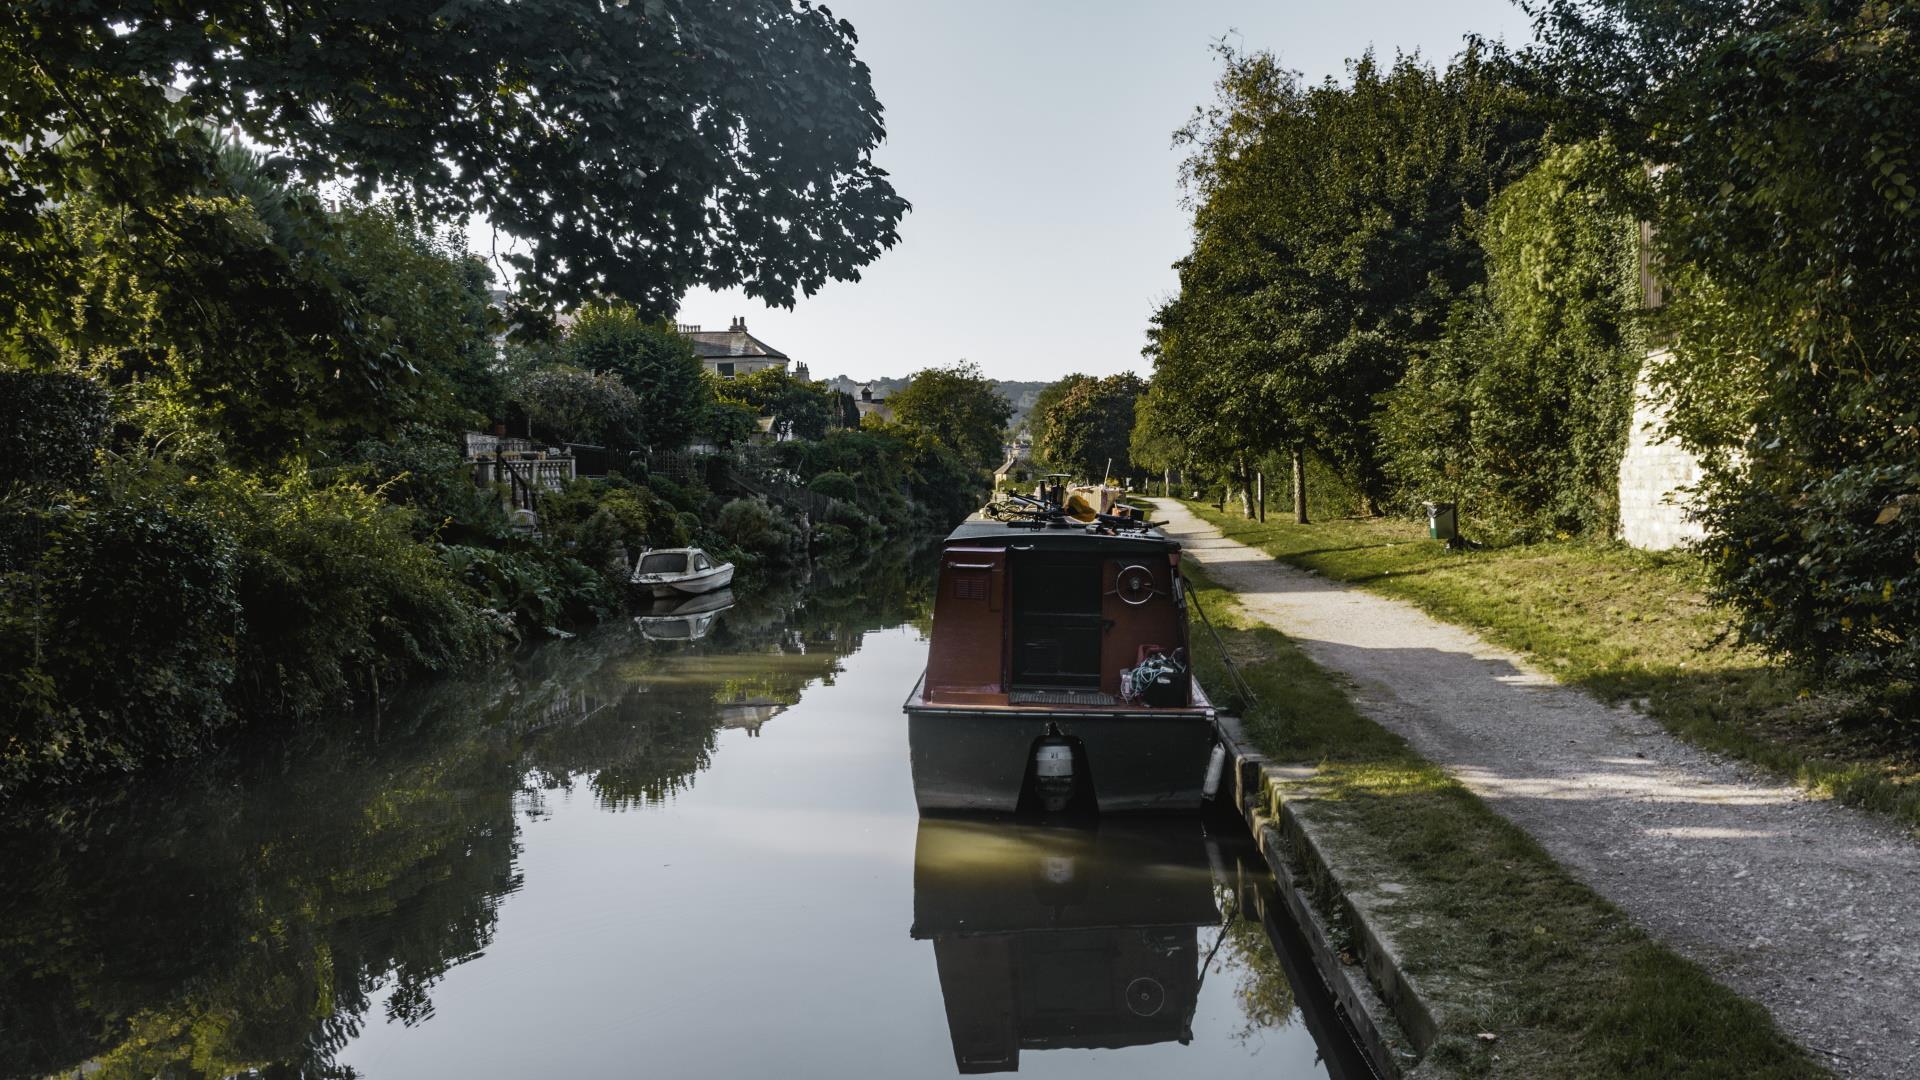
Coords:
1393,1022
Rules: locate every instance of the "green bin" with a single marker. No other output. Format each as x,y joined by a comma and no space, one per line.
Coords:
1442,522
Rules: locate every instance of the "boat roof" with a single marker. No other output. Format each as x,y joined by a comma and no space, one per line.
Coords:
987,532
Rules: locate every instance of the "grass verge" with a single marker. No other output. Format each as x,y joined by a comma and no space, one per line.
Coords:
1500,938
1623,625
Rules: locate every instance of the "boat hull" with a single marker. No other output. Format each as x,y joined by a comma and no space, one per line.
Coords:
694,584
968,760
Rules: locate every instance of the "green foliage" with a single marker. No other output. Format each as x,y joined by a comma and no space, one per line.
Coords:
422,467
730,144
1781,140
727,423
1333,231
1519,412
959,407
338,597
50,427
753,527
567,404
836,485
119,643
605,524
1084,425
802,410
652,360
245,316
535,588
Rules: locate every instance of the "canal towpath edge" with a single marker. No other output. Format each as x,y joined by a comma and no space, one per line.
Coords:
1801,905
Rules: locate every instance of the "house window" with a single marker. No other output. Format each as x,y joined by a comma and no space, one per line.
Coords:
724,369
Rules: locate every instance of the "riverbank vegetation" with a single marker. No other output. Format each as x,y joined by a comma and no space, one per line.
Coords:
1442,284
1629,626
1500,938
235,382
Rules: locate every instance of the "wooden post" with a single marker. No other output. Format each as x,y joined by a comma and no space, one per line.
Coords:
1299,486
1260,481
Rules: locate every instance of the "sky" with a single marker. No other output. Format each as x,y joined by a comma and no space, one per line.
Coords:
1034,139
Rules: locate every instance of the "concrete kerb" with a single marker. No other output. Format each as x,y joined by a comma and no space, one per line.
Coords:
1393,1023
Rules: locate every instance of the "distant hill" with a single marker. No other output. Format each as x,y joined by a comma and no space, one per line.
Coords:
1020,394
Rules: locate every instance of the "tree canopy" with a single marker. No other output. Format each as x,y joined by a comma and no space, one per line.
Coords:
1332,235
635,150
1084,424
654,362
959,407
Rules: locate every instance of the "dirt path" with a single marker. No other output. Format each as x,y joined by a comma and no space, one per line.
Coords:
1807,907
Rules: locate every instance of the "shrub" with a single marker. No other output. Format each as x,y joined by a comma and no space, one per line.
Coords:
537,587
1519,412
569,405
422,468
757,529
835,485
50,426
338,595
605,524
122,647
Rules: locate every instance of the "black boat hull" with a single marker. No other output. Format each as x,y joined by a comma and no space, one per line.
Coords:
1138,761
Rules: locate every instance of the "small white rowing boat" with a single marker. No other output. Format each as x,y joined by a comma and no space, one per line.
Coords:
680,572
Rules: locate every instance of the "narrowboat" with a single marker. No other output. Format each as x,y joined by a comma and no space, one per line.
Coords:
1048,936
1058,679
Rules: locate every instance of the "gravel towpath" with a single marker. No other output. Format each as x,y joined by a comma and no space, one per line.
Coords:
1807,907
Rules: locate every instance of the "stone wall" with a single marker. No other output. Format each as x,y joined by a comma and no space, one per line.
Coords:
1652,515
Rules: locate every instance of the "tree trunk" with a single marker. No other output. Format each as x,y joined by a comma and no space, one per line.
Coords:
1299,486
1260,485
1244,478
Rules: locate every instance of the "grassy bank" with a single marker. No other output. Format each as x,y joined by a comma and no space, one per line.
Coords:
1624,625
1501,939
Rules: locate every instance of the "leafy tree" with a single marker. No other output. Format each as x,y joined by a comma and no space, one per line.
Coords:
1332,234
1086,426
655,363
804,409
636,149
1520,411
249,317
569,405
1785,198
958,407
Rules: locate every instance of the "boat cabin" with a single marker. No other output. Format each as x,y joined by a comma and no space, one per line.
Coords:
1053,617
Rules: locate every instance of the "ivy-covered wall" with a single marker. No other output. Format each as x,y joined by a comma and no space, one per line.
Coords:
1519,413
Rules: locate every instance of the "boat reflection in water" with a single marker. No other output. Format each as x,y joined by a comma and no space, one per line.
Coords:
686,619
1050,937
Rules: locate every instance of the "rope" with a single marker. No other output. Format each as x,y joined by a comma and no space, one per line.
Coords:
1238,680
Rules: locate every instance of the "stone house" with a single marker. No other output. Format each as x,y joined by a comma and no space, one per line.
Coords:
733,352
872,406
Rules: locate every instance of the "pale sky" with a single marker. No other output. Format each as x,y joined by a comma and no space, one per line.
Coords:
1033,138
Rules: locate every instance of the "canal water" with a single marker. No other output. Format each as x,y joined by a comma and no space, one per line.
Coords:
681,847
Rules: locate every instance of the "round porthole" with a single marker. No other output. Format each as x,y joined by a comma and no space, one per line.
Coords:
1134,584
1145,996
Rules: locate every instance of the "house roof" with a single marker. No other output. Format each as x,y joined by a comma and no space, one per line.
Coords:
733,343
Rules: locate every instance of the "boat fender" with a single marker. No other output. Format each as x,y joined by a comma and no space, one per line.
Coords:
1216,767
1053,760
1053,772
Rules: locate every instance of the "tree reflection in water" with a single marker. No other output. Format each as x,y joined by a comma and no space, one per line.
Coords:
247,914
